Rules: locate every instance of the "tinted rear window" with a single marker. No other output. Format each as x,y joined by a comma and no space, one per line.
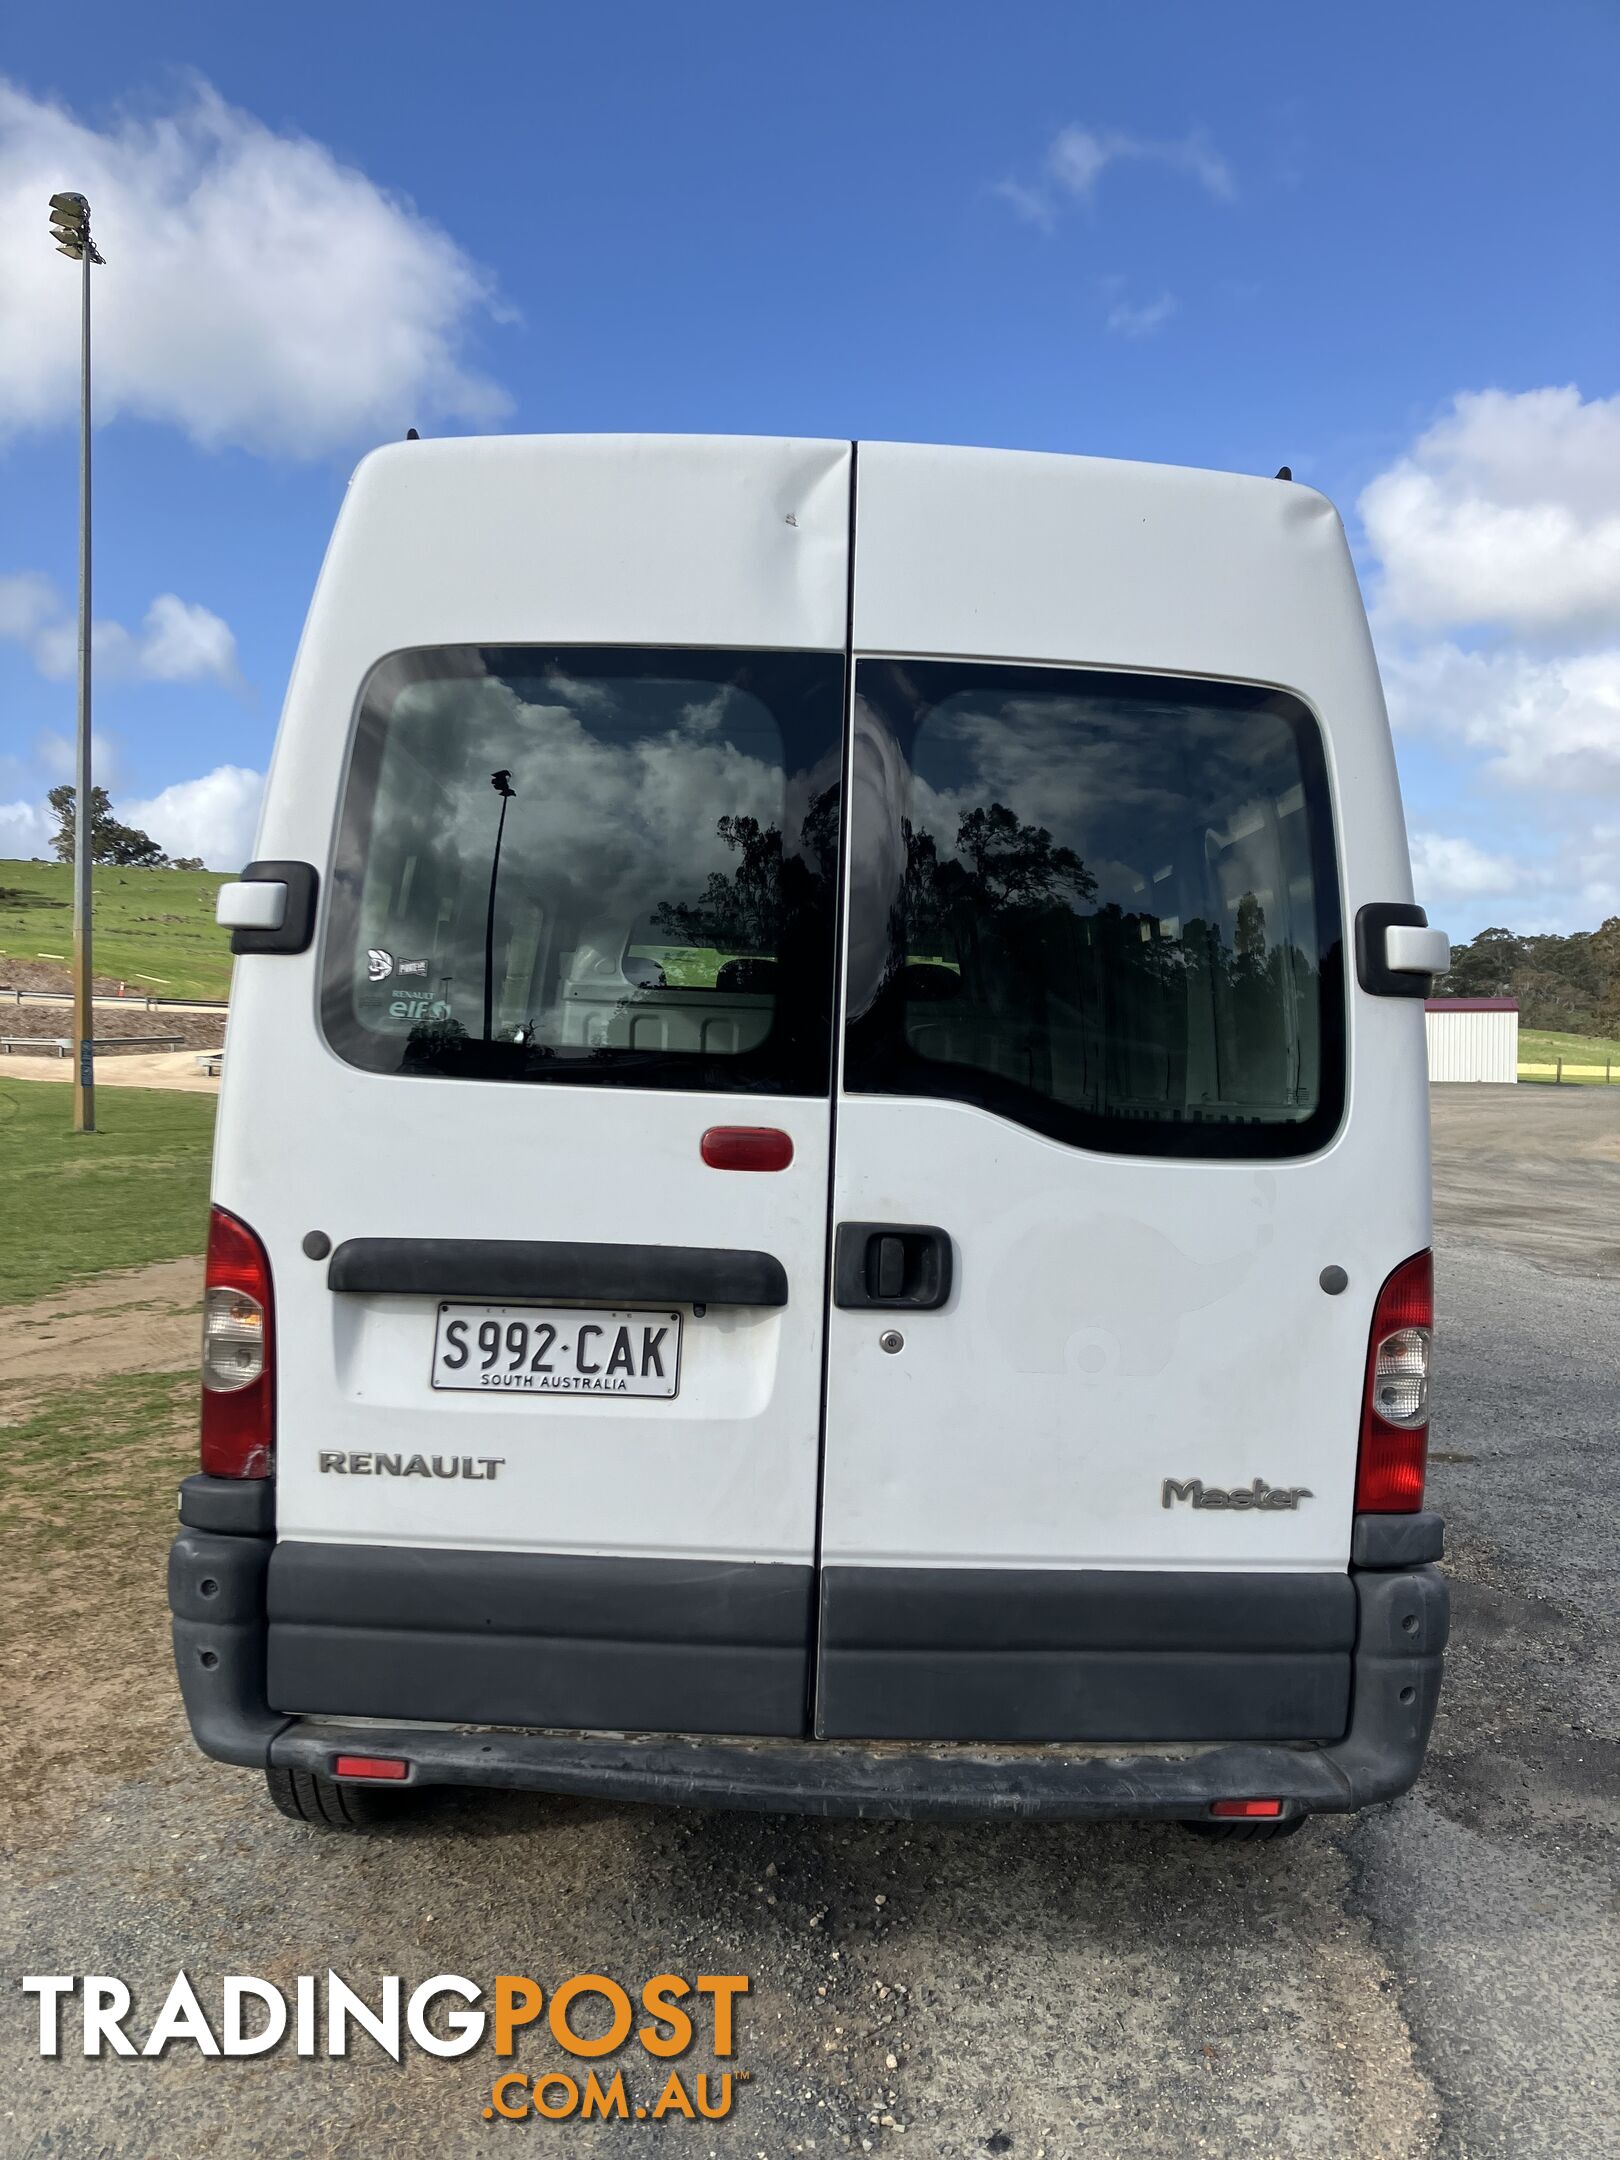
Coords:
1105,906
591,867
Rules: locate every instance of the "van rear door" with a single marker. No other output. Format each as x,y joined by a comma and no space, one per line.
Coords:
1091,1419
536,1136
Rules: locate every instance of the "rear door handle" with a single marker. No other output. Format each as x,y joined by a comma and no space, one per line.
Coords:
891,1267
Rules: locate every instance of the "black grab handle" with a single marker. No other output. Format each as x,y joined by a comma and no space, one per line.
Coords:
501,1269
891,1267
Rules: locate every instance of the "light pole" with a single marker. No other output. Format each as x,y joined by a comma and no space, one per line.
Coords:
70,229
501,782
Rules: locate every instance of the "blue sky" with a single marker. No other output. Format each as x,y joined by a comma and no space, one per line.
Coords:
1375,244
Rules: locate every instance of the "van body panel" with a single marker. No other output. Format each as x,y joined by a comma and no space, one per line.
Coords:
1113,1324
1081,1473
1120,1320
566,542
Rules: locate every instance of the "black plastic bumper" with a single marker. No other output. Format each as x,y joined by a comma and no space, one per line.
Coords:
217,1596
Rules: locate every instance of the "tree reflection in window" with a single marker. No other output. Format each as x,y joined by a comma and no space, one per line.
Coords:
1020,976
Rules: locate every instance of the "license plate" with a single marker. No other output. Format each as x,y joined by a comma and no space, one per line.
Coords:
556,1350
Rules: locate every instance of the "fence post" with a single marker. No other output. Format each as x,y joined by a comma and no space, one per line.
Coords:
1558,1075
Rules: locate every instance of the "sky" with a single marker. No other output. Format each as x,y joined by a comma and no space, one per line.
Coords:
1373,244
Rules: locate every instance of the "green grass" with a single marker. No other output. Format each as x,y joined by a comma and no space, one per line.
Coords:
1544,1047
74,1204
154,929
107,1423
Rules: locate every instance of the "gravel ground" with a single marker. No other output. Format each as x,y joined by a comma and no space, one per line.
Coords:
1432,1978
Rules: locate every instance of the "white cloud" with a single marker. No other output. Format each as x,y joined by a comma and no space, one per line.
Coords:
179,641
1135,322
256,292
1078,156
185,642
1544,723
1029,203
55,757
25,830
1449,868
214,816
1496,602
27,600
1506,511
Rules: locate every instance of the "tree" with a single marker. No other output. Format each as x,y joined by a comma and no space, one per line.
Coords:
1605,942
1485,968
110,842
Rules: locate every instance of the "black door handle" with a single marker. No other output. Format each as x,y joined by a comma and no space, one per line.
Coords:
891,1266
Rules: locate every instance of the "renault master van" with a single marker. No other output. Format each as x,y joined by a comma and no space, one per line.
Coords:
822,1187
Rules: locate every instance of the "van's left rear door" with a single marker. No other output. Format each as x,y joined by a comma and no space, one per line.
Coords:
548,1410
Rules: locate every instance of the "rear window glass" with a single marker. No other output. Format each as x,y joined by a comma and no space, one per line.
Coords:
602,867
1105,906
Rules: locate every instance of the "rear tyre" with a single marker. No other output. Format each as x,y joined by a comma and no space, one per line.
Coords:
1239,1831
304,1796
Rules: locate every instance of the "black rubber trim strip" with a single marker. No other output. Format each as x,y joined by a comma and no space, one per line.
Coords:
298,923
236,1507
1017,1654
996,1609
1401,1633
216,1594
565,1595
1372,974
539,1639
1397,1541
500,1268
1398,1665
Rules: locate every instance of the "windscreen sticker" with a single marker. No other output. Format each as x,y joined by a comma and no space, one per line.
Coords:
379,964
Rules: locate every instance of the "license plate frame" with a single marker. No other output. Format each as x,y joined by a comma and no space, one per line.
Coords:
533,1373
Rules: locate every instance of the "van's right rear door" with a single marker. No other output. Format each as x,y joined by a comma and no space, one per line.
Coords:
1091,1415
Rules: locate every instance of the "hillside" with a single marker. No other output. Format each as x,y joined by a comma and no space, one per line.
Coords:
154,929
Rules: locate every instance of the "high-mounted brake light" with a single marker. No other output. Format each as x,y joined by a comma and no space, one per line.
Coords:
1395,1401
746,1147
238,1365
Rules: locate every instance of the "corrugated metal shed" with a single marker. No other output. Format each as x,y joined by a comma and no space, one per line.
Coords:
1472,1038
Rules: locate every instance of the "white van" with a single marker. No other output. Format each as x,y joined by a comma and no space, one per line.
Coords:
822,1193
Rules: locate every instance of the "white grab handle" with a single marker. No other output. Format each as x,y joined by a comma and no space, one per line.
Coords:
253,904
1411,951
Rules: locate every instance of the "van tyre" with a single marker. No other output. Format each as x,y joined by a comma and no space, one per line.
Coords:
304,1796
1239,1832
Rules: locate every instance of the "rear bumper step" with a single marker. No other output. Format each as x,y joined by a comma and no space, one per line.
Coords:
223,1649
885,1781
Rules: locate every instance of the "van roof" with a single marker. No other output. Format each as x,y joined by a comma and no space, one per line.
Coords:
743,541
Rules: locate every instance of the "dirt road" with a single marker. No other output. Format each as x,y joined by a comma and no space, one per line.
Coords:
1427,1979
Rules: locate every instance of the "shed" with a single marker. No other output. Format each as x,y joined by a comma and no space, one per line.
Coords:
1472,1038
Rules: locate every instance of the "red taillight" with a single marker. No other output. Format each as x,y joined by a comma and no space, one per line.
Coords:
746,1147
1395,1399
238,1403
1244,1809
370,1766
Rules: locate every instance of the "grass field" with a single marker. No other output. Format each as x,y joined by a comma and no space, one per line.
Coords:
153,928
1583,1056
74,1204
